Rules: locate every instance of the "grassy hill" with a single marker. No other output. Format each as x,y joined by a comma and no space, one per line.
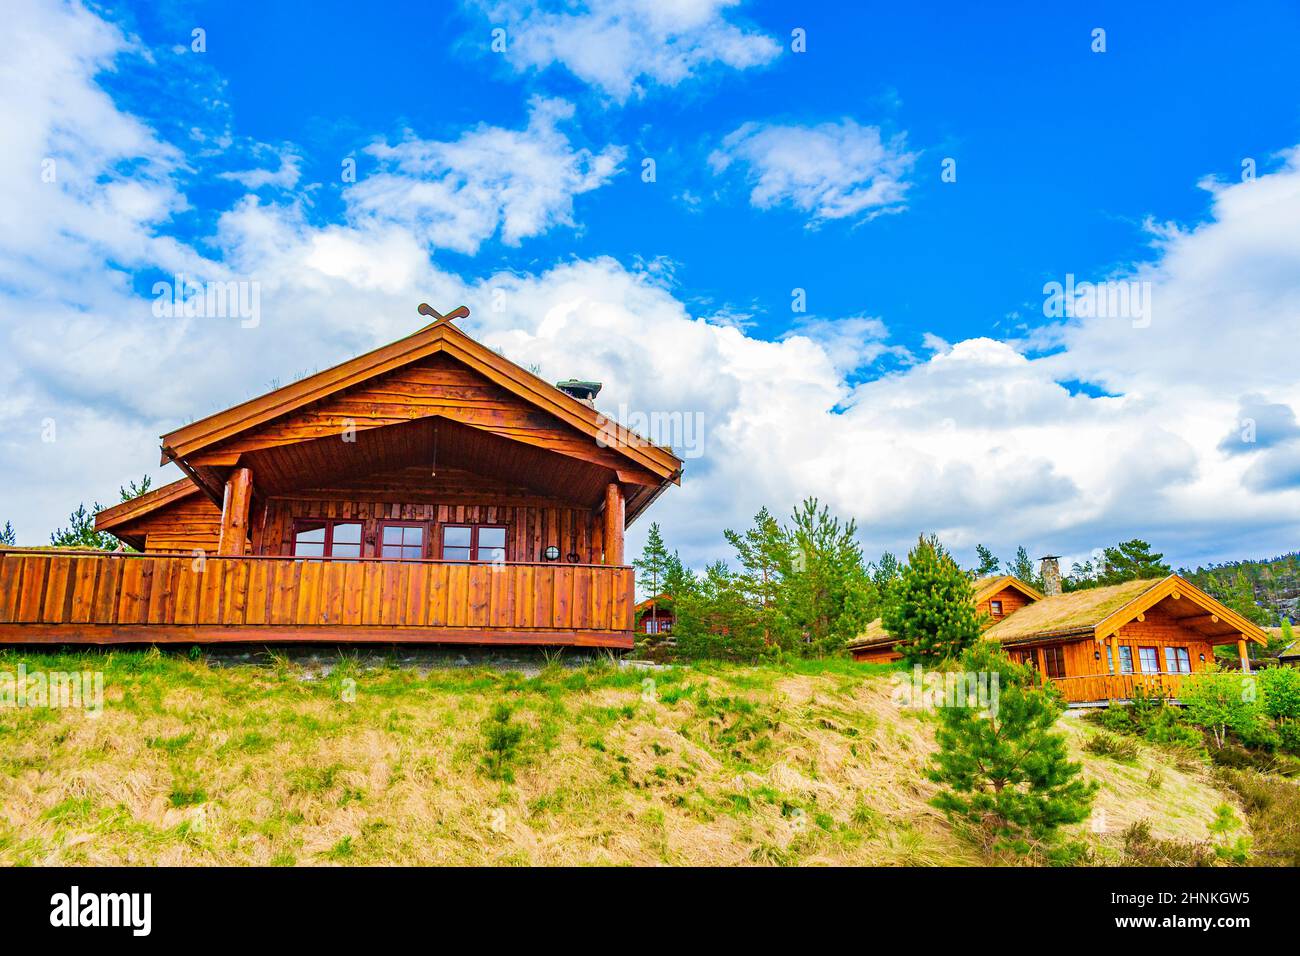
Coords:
369,762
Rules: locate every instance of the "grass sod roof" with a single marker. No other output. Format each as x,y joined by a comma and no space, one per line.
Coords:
1074,612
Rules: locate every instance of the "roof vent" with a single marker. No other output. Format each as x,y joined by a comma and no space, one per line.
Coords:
584,392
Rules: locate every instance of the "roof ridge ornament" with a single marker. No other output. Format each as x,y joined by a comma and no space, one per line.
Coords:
460,312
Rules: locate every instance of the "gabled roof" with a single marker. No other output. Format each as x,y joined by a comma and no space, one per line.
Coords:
440,336
129,511
1101,612
657,599
985,588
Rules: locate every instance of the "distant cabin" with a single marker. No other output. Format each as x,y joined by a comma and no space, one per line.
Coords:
655,615
1104,644
430,490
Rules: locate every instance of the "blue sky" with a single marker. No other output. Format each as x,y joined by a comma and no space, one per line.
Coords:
923,389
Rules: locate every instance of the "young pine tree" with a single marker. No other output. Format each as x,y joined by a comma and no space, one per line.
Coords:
1006,772
7,535
762,552
81,532
1129,561
825,597
652,566
931,608
988,563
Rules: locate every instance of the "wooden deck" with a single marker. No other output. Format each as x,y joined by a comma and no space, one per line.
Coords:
1100,688
110,598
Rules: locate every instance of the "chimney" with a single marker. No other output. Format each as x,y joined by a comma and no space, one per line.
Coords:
1050,569
584,392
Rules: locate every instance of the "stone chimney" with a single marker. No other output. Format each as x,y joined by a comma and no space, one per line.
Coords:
584,392
1050,569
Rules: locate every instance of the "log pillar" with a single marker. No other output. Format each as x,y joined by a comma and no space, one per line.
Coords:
614,519
1245,658
234,512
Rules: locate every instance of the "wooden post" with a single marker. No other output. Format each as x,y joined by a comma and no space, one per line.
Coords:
234,512
614,518
1245,658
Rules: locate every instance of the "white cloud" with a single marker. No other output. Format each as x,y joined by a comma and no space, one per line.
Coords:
456,195
285,176
976,441
830,171
623,46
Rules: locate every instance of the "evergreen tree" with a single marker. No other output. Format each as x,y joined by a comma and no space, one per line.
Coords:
1023,568
679,580
884,576
136,488
1007,772
716,619
825,596
931,609
81,532
1130,561
1240,596
988,562
652,566
761,551
7,536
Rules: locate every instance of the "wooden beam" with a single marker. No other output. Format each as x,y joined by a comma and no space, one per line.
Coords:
614,523
1245,658
234,512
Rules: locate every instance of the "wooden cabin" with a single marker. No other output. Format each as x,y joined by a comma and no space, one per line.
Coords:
1101,644
996,597
429,491
655,616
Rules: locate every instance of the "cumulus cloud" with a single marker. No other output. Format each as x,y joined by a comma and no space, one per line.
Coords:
976,440
830,171
458,194
623,47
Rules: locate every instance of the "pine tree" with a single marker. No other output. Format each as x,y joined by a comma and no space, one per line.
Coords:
826,594
1007,772
762,552
1130,561
81,532
1022,568
136,488
931,609
717,619
988,562
7,536
652,566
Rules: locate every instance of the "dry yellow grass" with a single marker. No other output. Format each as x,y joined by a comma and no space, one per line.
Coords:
192,764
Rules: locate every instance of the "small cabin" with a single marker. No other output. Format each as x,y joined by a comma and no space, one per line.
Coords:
429,491
996,597
655,616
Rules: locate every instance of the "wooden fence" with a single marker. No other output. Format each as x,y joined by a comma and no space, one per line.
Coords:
99,597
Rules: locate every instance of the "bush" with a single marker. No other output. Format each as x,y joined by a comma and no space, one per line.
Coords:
1166,726
1143,849
1279,689
1222,701
1116,748
1273,808
1116,719
1288,735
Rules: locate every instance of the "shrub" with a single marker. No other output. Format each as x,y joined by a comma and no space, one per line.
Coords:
1116,748
1166,726
1221,701
1272,806
1279,689
1116,719
1288,735
501,739
1143,849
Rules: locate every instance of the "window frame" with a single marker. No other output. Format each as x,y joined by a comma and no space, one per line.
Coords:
399,523
327,546
1180,659
1054,659
1155,653
995,608
1126,659
474,528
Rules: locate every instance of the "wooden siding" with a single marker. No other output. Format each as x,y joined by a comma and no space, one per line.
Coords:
1012,601
880,654
121,598
193,523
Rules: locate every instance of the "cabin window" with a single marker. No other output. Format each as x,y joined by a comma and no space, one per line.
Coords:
1126,660
327,539
651,626
405,542
995,608
1177,660
473,542
1054,661
1149,660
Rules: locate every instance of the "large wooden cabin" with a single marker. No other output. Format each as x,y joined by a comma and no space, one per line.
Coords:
996,597
430,490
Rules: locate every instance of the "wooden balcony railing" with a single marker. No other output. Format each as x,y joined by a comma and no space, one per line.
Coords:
1100,687
101,597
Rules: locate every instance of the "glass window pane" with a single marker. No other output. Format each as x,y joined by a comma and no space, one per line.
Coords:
412,553
491,537
347,533
455,554
456,536
390,550
312,534
1126,660
308,549
492,554
413,537
393,534
346,550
